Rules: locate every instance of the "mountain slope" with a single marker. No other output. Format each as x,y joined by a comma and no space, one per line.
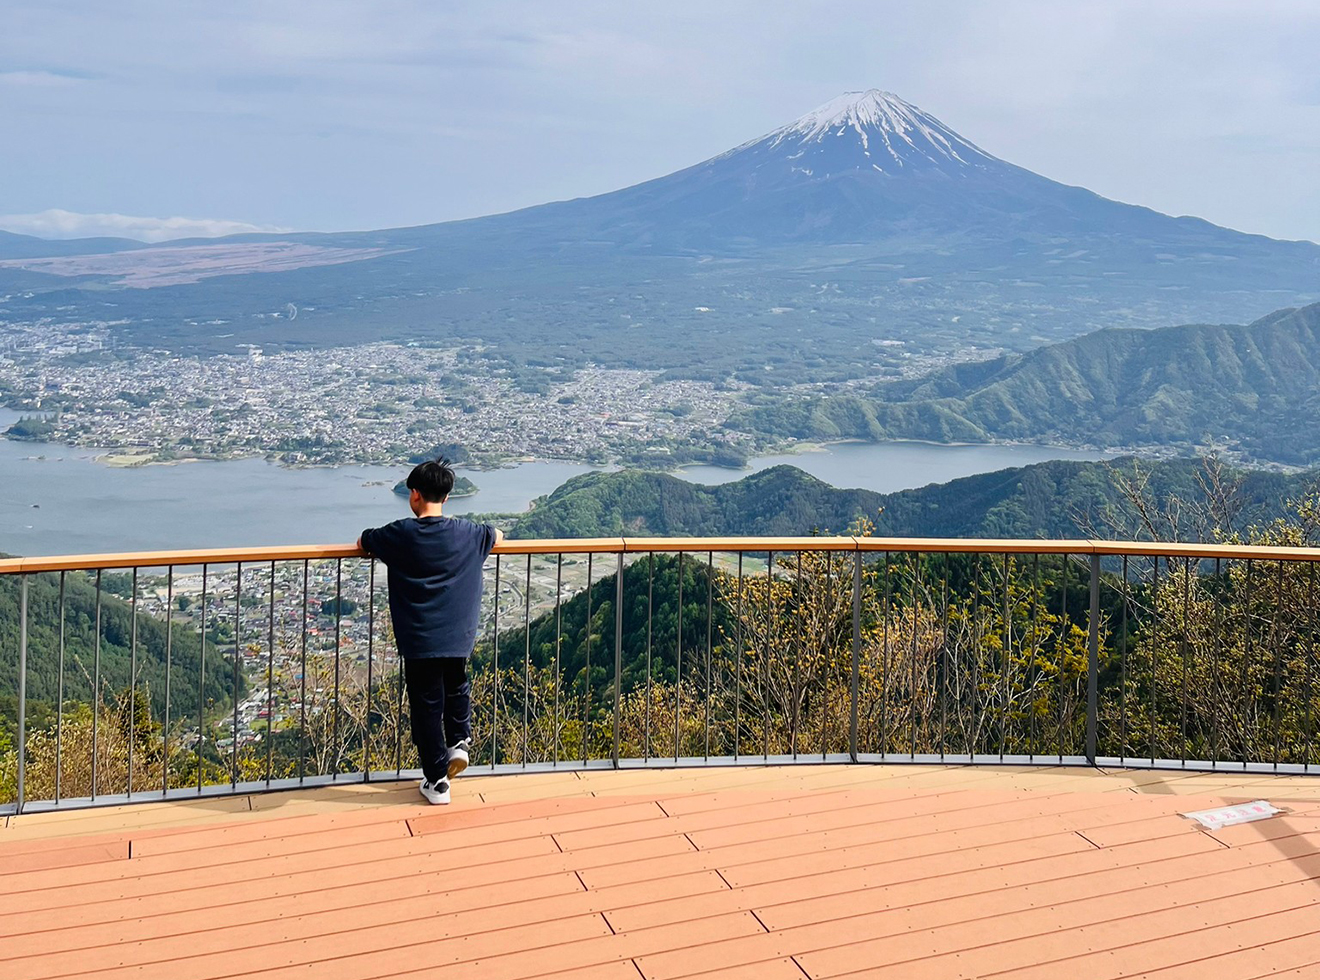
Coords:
782,500
865,220
1253,390
1054,499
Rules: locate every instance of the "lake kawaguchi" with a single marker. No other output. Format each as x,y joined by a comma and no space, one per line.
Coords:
59,500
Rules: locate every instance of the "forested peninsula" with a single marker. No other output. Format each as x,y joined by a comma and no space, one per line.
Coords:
1054,499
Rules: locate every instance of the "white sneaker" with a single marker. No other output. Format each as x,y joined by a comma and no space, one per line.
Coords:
437,792
458,758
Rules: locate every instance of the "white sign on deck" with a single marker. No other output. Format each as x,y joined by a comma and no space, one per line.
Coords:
1227,816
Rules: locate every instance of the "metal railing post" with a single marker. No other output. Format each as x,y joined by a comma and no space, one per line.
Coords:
1093,662
618,656
22,690
856,654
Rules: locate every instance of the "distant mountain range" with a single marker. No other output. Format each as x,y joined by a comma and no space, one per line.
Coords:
1252,390
859,234
1059,499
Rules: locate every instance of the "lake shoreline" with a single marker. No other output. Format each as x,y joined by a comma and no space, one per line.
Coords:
87,507
114,458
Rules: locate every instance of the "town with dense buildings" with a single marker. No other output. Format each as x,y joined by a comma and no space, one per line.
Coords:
374,403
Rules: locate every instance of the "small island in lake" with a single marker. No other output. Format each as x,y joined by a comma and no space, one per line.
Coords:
463,487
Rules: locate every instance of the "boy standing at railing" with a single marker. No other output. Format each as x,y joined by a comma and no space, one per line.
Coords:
434,567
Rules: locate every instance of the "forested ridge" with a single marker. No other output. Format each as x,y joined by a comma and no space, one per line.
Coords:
80,652
1054,499
1253,390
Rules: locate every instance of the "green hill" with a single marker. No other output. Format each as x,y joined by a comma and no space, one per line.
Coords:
1252,390
1054,499
778,501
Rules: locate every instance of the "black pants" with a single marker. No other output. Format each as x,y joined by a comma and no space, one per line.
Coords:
441,709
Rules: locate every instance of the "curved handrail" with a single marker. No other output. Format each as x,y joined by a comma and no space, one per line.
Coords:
631,545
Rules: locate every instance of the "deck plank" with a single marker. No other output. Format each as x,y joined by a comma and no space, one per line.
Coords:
735,873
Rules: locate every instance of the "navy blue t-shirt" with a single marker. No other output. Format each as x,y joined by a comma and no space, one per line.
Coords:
435,582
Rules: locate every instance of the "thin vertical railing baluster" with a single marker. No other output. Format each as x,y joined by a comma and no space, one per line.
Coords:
1246,666
710,639
1216,687
737,668
678,663
96,690
650,623
944,655
1310,659
885,660
765,666
302,675
1033,665
1217,698
399,701
1006,664
1065,625
495,669
527,663
827,647
1185,651
20,787
916,616
132,678
1275,629
59,705
618,657
1123,669
201,682
559,642
586,692
169,650
854,681
1093,664
798,589
238,646
974,722
270,679
399,668
1154,667
367,738
335,706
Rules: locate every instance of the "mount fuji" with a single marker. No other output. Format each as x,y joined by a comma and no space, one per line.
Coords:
862,233
869,168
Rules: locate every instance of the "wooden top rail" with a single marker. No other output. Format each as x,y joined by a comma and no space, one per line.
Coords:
581,546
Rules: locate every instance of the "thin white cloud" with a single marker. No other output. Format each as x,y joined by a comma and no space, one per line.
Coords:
37,79
56,223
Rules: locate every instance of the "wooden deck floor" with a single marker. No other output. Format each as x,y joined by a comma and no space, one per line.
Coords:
822,871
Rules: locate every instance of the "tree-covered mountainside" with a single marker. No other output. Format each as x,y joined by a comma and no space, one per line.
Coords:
1054,499
80,651
778,501
1253,390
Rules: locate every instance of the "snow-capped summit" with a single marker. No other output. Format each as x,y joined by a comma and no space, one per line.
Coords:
879,130
856,168
898,126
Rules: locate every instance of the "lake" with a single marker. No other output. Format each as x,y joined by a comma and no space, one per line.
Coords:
59,500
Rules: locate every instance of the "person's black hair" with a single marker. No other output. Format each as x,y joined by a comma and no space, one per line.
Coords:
432,479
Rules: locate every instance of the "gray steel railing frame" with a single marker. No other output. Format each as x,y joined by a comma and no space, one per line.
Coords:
1096,554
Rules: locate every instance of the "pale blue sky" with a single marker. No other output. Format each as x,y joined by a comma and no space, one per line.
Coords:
348,114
